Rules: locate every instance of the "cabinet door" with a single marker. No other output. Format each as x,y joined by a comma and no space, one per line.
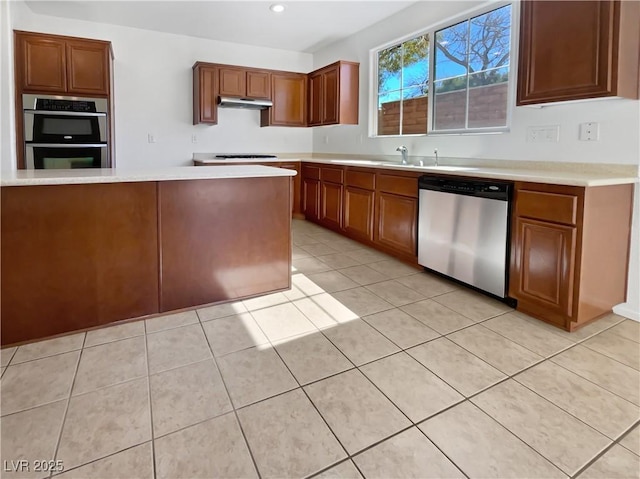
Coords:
358,212
289,96
295,191
311,196
233,82
331,205
566,51
315,100
205,86
397,222
330,97
542,272
41,63
88,67
258,84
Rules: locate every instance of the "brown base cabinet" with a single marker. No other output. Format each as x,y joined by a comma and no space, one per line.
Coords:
569,251
376,207
358,212
397,223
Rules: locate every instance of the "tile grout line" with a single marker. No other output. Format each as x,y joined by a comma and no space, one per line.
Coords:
566,411
233,406
66,410
606,450
441,451
152,427
312,404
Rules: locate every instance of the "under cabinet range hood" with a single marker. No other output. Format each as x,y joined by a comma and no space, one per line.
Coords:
247,103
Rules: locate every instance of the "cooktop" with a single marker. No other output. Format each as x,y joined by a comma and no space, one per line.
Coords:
230,155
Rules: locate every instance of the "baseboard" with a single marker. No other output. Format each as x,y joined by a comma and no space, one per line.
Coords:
628,312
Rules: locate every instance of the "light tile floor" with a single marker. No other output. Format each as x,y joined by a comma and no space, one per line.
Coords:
366,367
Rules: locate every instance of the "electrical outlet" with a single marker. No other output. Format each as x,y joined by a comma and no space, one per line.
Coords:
589,131
194,138
360,138
326,139
151,138
543,134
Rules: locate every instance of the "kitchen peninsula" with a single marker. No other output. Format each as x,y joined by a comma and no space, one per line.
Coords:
84,248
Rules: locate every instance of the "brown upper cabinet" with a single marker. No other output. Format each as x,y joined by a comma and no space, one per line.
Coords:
205,87
333,94
58,64
578,50
328,96
289,95
244,83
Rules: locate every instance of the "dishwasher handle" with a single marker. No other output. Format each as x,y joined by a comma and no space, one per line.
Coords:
482,189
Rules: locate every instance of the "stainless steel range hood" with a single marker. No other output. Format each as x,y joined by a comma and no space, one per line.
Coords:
247,103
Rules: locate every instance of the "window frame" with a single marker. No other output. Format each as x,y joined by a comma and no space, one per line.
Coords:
431,32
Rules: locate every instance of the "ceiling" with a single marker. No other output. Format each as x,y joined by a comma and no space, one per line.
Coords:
305,26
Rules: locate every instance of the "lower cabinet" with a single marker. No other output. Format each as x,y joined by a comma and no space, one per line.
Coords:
372,206
397,223
331,205
358,212
569,251
545,266
311,192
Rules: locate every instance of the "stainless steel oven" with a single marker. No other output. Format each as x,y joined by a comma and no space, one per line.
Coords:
65,132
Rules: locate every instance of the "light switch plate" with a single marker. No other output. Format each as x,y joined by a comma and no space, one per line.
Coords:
543,134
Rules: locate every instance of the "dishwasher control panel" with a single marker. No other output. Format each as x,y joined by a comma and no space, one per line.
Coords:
484,189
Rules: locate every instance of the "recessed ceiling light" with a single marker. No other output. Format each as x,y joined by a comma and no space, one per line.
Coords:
277,8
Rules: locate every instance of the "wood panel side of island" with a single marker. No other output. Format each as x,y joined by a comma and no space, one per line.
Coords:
223,239
76,256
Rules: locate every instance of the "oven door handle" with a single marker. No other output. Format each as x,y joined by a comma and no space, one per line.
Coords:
66,145
64,113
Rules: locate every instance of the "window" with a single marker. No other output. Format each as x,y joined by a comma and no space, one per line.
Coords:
468,90
403,84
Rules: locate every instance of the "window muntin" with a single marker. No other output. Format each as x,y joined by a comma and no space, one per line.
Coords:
469,88
403,84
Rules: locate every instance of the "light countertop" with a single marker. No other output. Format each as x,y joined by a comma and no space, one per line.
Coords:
123,175
505,171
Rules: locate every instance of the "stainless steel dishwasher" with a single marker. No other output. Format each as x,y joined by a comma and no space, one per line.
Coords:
463,231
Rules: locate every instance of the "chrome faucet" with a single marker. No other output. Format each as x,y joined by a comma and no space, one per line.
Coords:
436,153
403,151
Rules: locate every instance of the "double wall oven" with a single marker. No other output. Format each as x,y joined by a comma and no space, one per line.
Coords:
65,132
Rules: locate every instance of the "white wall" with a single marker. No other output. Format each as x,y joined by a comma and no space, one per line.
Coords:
7,120
619,123
153,92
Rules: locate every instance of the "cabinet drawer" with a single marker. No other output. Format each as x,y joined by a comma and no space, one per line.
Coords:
361,179
311,172
400,185
333,175
555,207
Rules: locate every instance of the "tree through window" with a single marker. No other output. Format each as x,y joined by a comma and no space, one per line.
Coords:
471,61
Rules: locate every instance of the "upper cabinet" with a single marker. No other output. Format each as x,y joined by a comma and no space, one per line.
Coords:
56,64
578,50
328,96
205,88
333,94
289,97
240,82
